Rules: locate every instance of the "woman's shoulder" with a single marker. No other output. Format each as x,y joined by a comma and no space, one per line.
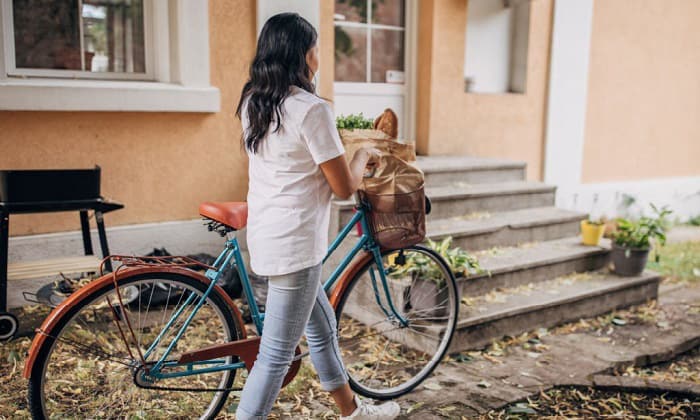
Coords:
303,100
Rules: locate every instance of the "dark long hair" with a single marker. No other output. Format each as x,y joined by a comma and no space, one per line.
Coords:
279,63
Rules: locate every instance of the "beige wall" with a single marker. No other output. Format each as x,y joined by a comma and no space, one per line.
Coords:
327,45
643,116
450,121
160,165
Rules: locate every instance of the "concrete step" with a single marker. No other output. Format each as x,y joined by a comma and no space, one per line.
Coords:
512,311
443,170
476,231
509,267
546,304
459,199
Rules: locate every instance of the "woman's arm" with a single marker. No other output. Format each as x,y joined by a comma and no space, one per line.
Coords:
345,178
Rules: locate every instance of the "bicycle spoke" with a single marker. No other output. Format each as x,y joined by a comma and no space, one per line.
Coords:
390,353
122,361
88,373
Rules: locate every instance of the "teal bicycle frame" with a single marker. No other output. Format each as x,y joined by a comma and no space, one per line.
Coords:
232,253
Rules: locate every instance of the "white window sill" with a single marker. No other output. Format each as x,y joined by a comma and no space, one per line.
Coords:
368,89
91,95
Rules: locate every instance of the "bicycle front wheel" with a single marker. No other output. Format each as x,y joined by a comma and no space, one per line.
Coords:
388,352
86,367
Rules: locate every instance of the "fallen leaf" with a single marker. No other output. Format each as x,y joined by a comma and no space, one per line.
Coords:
484,384
521,408
414,407
619,321
433,386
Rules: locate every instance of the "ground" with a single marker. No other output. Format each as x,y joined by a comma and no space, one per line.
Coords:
643,361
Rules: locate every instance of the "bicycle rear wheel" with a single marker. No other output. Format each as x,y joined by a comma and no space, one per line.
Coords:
385,357
85,369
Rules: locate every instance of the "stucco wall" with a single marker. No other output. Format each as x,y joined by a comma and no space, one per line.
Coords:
327,49
450,121
160,165
643,113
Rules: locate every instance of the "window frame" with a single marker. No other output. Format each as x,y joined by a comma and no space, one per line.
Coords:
12,70
180,66
518,54
368,25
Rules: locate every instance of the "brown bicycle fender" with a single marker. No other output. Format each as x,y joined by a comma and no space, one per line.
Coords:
347,276
52,319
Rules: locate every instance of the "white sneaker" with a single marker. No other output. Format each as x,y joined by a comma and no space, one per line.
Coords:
386,411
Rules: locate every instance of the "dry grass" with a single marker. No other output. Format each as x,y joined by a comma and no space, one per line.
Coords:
565,403
683,369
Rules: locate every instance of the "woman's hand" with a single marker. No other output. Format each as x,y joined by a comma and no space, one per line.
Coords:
374,155
345,178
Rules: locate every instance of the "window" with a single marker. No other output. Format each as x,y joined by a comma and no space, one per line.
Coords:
104,39
369,41
105,55
496,46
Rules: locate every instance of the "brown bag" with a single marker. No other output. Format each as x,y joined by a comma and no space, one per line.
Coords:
354,140
395,199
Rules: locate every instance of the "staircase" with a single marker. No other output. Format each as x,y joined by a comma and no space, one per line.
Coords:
540,275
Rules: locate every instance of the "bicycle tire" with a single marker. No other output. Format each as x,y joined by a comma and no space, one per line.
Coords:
356,353
232,329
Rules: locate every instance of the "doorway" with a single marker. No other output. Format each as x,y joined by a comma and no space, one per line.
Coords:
374,59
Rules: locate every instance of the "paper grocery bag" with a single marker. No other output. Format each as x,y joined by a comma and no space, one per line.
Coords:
358,138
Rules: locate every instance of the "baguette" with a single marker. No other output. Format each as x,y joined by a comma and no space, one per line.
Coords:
388,123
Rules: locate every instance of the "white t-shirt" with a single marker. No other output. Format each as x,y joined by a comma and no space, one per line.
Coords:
288,195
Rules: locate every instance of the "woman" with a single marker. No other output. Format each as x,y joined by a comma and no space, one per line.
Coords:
296,160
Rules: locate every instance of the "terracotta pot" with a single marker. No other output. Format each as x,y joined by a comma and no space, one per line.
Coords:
591,233
628,261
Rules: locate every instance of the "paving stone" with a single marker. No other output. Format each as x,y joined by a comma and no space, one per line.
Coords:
634,384
571,359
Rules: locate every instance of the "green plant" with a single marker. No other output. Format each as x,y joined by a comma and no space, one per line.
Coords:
597,221
459,261
681,262
353,121
639,234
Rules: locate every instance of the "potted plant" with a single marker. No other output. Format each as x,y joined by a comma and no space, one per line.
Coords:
593,228
632,241
592,231
425,283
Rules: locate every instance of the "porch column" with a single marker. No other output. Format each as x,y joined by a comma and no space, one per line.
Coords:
567,101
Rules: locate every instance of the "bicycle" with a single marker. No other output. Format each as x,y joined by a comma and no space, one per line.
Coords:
158,338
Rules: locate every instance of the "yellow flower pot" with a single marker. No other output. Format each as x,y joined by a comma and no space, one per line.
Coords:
591,233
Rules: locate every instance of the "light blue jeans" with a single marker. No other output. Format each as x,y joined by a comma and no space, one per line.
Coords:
295,302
